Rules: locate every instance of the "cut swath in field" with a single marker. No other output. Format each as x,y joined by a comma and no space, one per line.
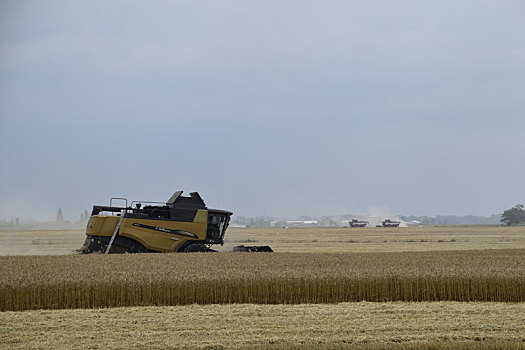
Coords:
363,325
53,282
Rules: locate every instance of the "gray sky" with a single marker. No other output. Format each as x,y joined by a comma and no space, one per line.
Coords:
265,107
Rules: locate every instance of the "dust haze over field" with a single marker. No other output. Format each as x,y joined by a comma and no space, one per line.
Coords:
266,108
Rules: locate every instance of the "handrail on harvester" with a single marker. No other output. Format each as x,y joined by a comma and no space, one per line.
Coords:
119,198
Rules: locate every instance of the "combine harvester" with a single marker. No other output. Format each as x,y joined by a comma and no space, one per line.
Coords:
182,224
358,223
390,223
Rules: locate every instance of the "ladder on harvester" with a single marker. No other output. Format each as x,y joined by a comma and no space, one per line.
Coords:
122,212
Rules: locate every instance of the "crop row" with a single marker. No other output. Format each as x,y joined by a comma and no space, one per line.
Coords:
54,282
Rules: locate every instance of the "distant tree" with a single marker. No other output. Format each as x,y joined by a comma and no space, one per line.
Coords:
513,215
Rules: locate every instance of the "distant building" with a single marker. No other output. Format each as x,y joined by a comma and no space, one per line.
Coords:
60,217
302,223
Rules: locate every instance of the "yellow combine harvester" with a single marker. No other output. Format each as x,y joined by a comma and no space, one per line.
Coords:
182,224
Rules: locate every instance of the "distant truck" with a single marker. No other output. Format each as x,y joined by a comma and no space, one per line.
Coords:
358,223
390,223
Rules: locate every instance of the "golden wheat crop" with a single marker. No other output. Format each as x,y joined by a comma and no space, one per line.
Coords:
51,282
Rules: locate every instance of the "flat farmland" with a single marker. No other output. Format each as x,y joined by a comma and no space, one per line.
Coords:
324,288
363,325
40,242
305,240
375,239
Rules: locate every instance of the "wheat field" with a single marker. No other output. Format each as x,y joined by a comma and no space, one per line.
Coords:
295,298
98,280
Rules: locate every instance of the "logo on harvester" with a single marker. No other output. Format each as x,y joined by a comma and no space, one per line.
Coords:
158,228
167,230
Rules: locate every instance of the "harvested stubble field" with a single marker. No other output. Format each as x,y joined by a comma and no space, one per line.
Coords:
40,242
304,240
54,282
375,239
398,325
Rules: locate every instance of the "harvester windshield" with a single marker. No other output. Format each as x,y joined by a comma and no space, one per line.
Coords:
218,221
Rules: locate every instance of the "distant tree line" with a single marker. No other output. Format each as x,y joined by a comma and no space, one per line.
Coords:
12,223
453,219
28,224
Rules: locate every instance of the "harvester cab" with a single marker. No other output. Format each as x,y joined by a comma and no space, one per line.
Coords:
182,224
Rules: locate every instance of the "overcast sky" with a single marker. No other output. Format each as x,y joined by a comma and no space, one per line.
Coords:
277,108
